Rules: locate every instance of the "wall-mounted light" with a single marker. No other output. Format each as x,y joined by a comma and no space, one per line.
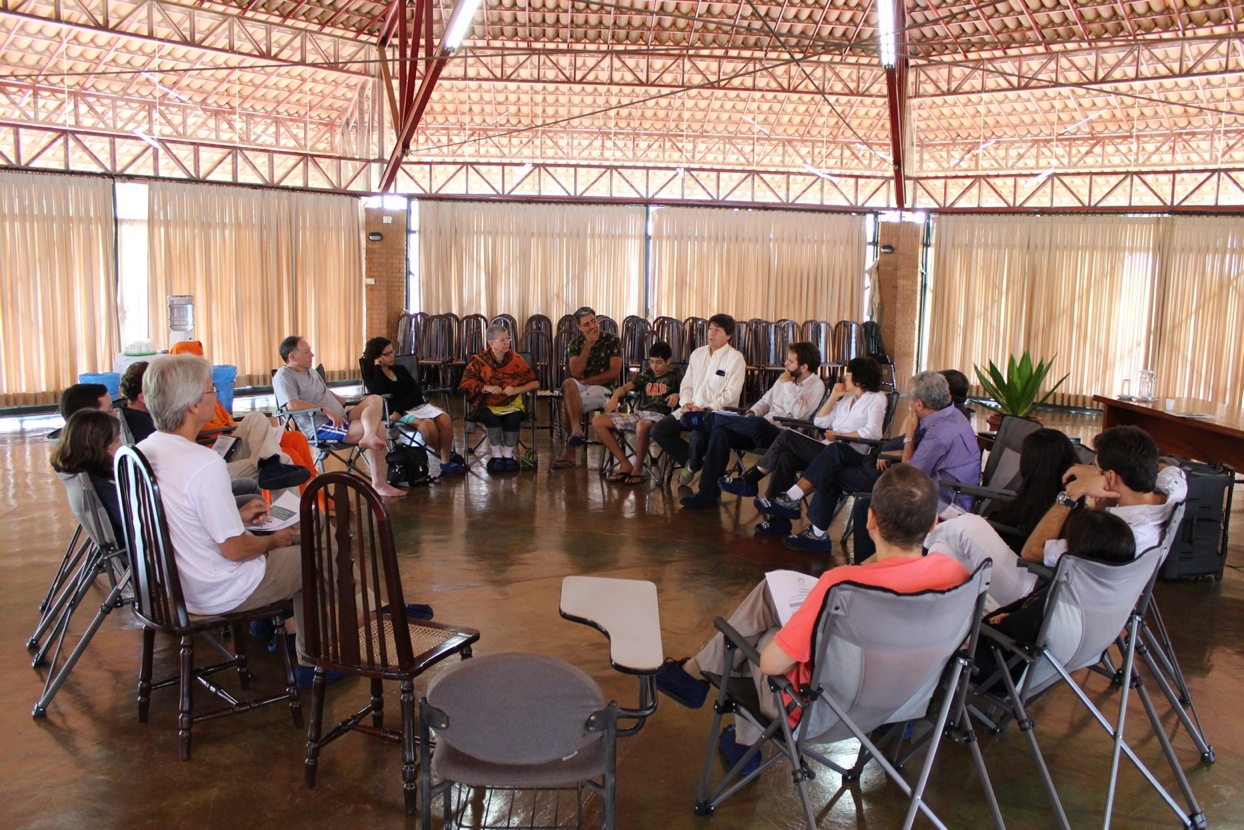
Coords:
459,23
375,236
885,23
887,249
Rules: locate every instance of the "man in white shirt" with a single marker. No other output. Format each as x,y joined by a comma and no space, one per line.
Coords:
796,394
714,380
222,568
1125,479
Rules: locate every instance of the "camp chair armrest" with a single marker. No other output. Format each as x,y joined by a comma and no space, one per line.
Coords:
1006,642
976,490
736,639
797,423
1038,568
212,433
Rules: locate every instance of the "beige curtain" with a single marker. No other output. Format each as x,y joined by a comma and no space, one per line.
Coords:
523,259
1075,289
1200,310
261,265
57,284
757,263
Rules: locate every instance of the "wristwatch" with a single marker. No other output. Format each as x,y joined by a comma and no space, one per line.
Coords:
1067,501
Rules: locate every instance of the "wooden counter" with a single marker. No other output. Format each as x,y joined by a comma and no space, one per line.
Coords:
1217,437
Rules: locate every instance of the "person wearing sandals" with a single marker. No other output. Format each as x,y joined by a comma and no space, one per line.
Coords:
595,360
494,382
407,404
657,387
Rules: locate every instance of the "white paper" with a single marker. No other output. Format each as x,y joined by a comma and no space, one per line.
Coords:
282,514
789,589
223,444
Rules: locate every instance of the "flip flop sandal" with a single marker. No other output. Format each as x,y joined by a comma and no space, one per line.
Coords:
617,478
632,480
563,463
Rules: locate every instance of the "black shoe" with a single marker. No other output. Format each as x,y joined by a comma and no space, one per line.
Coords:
273,475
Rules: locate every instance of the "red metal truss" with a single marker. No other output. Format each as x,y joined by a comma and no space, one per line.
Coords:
1161,191
606,183
162,23
88,151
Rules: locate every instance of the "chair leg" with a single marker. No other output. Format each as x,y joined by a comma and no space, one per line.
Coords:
243,662
312,758
291,683
144,674
410,766
377,703
184,718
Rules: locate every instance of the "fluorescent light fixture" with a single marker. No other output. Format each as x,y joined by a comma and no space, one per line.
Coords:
153,142
525,169
885,22
459,22
816,171
1040,177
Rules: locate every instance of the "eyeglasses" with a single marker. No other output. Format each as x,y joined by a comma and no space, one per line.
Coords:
211,391
388,353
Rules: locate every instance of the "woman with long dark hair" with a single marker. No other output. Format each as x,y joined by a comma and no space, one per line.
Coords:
407,404
1044,457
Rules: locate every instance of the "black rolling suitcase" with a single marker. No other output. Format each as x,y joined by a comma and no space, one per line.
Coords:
1200,546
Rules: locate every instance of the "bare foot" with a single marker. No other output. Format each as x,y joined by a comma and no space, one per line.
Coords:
374,442
389,492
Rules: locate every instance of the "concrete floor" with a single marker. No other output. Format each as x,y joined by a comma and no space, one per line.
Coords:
491,553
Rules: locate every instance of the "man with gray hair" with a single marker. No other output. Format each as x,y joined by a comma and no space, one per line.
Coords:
297,385
937,440
222,568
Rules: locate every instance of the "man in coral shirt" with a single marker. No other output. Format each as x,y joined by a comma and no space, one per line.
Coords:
902,512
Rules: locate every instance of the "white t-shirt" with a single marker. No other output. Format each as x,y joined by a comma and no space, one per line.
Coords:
864,415
201,513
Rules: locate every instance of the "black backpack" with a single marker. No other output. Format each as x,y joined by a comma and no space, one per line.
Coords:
408,466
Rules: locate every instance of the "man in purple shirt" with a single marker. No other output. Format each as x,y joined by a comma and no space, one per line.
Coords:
937,440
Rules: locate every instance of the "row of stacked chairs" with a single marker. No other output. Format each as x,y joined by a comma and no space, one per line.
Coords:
443,343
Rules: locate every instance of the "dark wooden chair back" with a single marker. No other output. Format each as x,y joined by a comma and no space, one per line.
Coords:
157,588
349,571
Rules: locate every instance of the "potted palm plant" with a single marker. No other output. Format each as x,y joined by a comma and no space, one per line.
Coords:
1018,391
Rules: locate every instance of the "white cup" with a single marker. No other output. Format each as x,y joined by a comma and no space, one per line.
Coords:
1169,403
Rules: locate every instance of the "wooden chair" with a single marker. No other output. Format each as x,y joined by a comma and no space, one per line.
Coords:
349,630
160,607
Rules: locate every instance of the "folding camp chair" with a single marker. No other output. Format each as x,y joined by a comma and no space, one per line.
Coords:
1087,605
104,555
524,452
1000,476
1156,651
879,658
303,420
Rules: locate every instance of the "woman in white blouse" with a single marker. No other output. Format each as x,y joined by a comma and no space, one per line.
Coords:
855,408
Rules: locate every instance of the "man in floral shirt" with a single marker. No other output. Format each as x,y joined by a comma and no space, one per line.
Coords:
595,359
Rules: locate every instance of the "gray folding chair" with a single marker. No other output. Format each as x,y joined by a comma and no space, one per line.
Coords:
880,658
103,555
1156,651
1088,604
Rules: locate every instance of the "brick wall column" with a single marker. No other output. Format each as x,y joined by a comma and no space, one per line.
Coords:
384,271
898,287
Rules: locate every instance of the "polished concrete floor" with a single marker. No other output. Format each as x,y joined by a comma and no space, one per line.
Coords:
490,553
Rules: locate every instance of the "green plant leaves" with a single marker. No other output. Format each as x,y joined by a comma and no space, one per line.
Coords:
1016,392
